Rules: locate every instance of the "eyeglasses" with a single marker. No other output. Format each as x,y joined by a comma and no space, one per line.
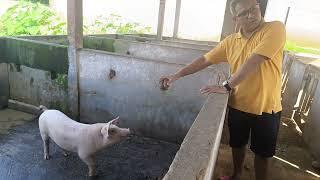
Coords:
245,14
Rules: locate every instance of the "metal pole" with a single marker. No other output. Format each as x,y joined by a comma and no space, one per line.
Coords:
177,19
287,15
162,8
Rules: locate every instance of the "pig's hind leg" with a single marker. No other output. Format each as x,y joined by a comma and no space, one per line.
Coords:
45,139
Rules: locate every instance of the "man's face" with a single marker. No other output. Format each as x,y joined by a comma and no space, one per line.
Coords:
248,15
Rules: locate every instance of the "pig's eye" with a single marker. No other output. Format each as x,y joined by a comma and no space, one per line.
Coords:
112,131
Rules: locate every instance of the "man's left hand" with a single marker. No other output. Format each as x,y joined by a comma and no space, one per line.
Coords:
213,89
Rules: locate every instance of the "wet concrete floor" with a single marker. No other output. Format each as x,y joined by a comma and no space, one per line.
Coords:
21,155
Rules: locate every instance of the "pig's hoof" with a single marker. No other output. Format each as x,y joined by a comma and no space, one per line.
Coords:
93,175
46,157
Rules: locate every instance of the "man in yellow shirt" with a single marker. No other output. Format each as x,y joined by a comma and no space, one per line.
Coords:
255,58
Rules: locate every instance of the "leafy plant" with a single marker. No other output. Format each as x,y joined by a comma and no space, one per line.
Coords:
291,46
39,1
27,18
62,81
33,18
115,24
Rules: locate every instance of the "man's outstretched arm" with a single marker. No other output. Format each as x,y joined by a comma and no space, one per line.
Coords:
195,66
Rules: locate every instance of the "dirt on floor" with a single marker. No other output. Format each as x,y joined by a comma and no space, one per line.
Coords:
292,160
10,118
21,155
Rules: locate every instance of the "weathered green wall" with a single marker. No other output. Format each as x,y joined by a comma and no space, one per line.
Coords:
90,42
38,55
98,43
55,39
1,49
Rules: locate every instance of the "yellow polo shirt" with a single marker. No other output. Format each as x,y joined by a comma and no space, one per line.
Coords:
261,92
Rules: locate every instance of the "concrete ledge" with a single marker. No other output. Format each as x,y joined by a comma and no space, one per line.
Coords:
55,39
34,54
198,152
20,106
166,41
150,50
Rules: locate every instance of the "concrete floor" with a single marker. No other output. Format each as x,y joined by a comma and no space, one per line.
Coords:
21,155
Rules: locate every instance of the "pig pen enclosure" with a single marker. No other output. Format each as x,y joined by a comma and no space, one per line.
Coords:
178,134
118,77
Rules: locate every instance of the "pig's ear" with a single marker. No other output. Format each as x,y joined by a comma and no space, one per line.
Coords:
105,130
115,121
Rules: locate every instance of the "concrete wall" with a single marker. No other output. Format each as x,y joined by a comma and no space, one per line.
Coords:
309,109
136,61
166,41
301,102
148,48
311,131
292,85
128,38
55,39
36,87
36,71
34,54
4,85
158,52
197,155
134,94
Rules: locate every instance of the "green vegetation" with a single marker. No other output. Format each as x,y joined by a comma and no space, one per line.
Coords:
62,81
291,46
34,18
114,24
27,18
38,1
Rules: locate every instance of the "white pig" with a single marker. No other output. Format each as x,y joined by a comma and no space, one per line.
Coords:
84,139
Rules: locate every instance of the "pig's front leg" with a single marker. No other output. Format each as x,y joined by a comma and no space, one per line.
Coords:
91,162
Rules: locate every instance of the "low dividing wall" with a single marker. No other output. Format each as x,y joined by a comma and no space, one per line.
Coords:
128,45
135,96
198,153
4,85
301,97
34,54
36,72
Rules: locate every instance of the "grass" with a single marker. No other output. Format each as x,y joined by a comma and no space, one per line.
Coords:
291,46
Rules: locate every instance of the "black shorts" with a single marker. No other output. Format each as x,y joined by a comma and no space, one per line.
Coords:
264,131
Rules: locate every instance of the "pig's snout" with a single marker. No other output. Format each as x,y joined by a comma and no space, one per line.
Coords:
125,132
